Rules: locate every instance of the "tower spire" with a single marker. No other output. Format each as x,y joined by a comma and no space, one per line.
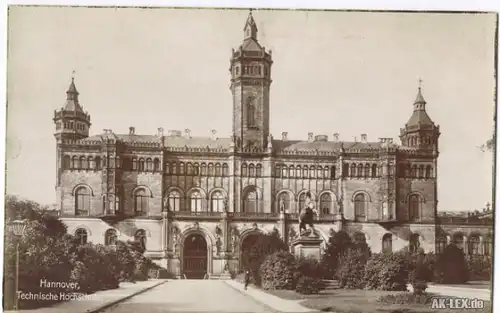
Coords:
419,103
250,29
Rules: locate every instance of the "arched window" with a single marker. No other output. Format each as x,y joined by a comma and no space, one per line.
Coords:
487,245
326,172
156,165
134,164
173,168
387,243
414,171
414,207
326,204
217,169
149,164
251,170
305,172
141,202
284,202
302,201
182,169
259,170
367,170
166,167
345,170
98,163
196,169
83,163
66,162
82,201
203,169
210,169
333,170
141,237
110,237
428,171
277,170
441,243
360,207
312,172
374,170
196,201
244,170
473,245
225,169
352,173
81,236
360,170
421,171
298,171
189,168
76,162
174,201
90,160
284,171
217,202
414,243
251,202
319,169
141,165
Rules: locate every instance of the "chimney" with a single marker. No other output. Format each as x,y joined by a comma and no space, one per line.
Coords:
336,136
187,133
160,131
310,136
363,137
214,133
284,136
131,130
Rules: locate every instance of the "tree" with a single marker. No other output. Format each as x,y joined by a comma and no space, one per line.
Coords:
338,245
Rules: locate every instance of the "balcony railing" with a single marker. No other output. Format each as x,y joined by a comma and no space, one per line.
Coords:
255,214
194,214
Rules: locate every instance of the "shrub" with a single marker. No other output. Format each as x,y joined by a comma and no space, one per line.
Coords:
261,246
479,267
387,271
308,276
351,271
336,248
405,298
278,271
451,266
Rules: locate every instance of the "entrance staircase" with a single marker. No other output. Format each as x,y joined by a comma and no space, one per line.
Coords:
331,284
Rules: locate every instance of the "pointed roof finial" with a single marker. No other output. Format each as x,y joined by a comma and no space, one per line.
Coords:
420,98
73,75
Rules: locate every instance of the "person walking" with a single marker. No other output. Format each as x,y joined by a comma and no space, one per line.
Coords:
247,278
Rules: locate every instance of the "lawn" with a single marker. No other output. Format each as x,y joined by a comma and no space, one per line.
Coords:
357,301
471,284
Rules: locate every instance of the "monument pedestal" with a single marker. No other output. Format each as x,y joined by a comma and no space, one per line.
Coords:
308,245
226,275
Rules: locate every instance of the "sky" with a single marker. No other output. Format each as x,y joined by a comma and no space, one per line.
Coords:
334,72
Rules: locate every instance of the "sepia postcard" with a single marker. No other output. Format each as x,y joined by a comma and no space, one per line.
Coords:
163,159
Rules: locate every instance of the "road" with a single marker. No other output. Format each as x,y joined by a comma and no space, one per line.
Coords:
190,296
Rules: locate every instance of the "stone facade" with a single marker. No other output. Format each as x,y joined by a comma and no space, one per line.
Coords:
171,186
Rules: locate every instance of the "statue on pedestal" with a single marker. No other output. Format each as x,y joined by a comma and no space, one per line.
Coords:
307,215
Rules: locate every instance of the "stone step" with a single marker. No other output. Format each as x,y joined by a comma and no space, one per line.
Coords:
331,284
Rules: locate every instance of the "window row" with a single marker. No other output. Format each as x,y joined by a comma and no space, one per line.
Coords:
111,237
414,171
361,206
413,141
70,125
286,204
360,170
284,171
196,169
473,245
251,170
84,162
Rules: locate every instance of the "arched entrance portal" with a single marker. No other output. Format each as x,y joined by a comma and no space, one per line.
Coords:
195,257
250,251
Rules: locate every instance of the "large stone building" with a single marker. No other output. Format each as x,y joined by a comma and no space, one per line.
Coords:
171,190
